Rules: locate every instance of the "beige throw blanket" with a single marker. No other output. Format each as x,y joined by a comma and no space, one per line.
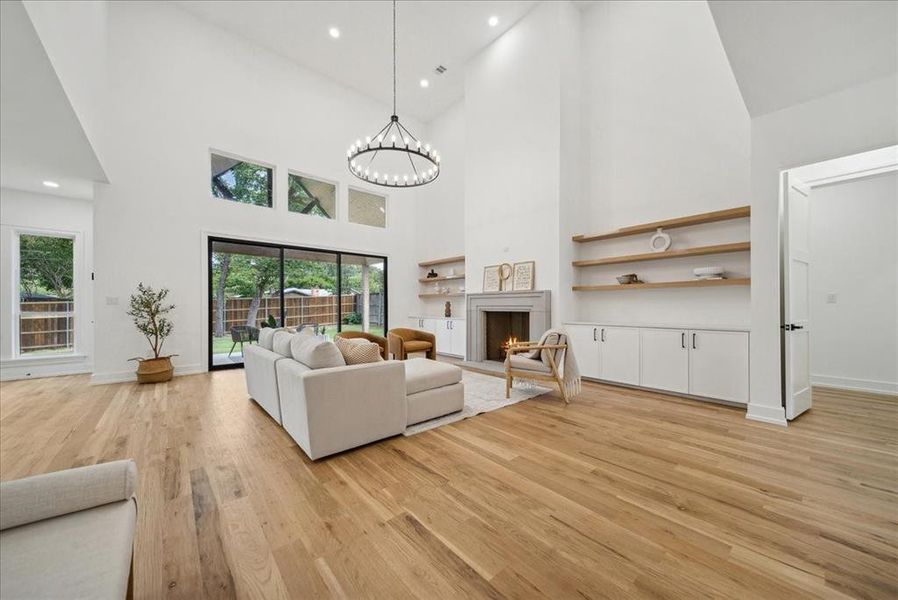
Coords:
564,360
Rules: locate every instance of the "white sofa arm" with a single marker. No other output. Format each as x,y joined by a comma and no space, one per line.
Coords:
331,410
54,494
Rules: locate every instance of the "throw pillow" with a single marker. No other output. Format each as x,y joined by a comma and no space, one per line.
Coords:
315,353
281,342
358,351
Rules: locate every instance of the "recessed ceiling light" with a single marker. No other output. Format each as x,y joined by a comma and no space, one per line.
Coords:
425,83
493,21
51,184
334,32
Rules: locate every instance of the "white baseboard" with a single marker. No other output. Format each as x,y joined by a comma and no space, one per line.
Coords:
775,415
127,376
858,385
16,372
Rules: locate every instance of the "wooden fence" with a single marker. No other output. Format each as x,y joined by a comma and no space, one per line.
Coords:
46,326
299,310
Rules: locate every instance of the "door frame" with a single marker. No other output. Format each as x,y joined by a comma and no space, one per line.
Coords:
338,254
813,175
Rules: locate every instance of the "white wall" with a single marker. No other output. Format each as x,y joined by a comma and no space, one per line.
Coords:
74,36
666,135
854,120
180,87
440,206
512,146
853,238
36,213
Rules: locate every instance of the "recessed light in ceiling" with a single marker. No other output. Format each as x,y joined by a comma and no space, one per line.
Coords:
425,83
493,21
51,184
334,32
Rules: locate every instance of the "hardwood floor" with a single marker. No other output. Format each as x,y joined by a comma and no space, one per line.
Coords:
620,494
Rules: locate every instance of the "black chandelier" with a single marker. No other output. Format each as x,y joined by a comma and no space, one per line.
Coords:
424,161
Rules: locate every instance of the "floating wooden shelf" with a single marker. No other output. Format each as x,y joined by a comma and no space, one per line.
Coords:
442,261
709,217
662,284
698,251
446,278
450,295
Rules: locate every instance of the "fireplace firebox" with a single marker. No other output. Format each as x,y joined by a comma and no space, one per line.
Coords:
502,328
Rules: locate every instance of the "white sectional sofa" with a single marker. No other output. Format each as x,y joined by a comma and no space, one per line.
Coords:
327,406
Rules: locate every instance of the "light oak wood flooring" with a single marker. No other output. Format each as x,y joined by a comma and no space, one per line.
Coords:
621,494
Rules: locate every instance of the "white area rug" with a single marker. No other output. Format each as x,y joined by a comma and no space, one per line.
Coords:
483,393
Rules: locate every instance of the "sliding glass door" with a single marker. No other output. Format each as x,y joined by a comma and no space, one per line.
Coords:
253,285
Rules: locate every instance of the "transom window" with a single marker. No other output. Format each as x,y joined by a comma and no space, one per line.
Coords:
241,181
366,208
310,196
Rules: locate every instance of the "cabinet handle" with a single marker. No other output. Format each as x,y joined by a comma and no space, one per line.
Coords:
603,334
594,330
683,340
693,341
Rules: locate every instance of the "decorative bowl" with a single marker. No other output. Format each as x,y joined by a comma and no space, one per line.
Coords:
625,279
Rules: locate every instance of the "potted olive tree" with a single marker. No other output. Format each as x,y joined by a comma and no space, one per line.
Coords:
149,310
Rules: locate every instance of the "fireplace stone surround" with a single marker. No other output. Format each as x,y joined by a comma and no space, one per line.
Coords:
536,303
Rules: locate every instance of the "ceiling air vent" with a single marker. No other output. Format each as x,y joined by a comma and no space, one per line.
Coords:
440,69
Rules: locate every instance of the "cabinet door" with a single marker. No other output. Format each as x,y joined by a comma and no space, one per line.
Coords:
665,360
718,365
583,340
457,333
619,354
443,335
414,322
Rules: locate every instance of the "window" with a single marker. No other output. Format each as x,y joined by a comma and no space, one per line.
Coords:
367,208
253,285
46,315
241,181
311,196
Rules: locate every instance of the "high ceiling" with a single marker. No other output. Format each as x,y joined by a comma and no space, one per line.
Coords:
445,33
41,138
788,52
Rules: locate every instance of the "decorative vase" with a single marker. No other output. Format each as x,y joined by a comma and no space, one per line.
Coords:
154,370
448,310
660,241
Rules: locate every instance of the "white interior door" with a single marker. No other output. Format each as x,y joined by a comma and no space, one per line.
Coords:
796,326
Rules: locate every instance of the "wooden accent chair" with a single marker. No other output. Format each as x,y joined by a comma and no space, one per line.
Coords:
380,341
540,363
403,341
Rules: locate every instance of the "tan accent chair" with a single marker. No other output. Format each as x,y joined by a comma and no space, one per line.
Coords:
380,341
539,364
404,341
69,534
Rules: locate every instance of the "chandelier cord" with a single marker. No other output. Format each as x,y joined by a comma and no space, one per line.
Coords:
394,57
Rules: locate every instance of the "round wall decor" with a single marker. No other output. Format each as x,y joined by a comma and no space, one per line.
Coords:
660,241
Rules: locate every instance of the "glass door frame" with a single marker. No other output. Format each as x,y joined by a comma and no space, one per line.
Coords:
338,254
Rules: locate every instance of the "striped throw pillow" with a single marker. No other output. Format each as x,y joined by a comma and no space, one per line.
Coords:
358,351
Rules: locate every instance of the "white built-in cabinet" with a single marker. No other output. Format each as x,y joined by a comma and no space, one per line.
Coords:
699,362
449,333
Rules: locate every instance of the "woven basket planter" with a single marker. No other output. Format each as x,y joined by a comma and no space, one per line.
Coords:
154,370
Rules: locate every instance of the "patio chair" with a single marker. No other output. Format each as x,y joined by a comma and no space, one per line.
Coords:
241,334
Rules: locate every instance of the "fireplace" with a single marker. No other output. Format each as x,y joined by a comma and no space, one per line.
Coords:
494,317
502,328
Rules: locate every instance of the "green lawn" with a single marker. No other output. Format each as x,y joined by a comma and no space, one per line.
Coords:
222,345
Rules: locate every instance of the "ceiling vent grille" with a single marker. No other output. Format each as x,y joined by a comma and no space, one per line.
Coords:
440,69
